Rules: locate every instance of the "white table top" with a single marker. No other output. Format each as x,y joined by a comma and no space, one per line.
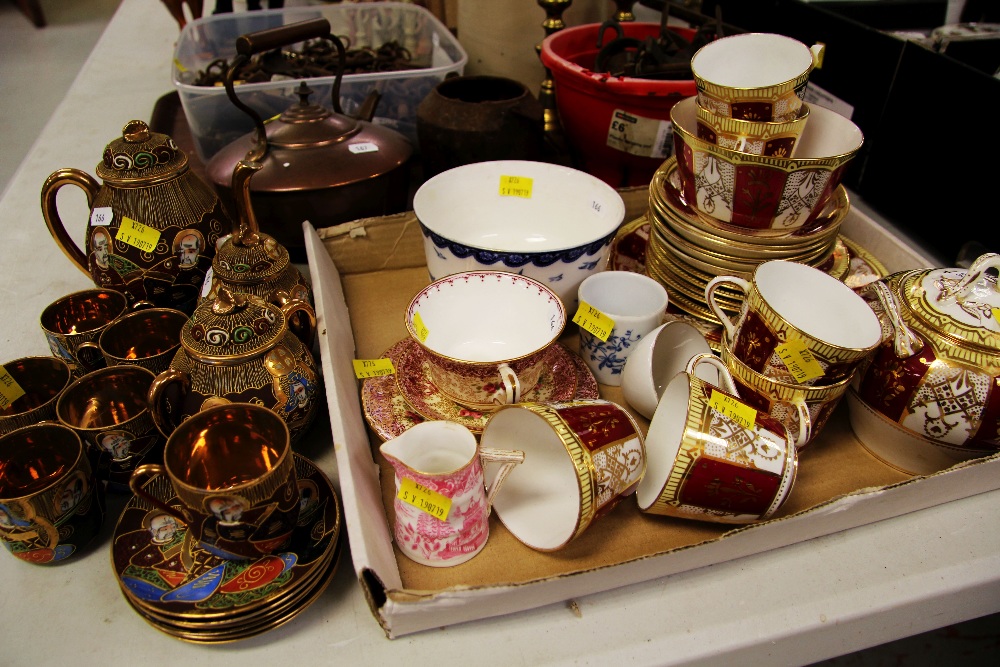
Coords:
795,605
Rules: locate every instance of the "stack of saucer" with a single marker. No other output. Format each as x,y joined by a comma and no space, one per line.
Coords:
188,592
687,248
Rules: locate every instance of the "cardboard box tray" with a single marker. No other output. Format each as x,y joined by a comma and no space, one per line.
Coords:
364,273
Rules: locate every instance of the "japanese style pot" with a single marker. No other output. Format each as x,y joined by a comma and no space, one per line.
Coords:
238,349
153,223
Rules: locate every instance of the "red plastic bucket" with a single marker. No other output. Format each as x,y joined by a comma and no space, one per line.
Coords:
618,127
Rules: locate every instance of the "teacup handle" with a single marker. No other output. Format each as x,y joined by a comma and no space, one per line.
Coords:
511,385
710,288
137,482
712,360
89,356
159,393
508,458
805,421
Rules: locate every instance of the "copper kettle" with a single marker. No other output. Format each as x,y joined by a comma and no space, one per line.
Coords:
316,165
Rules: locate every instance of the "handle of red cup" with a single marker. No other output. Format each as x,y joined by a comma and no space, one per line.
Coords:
724,375
710,288
508,458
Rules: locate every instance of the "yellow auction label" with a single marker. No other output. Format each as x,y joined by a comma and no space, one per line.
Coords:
516,186
179,65
593,321
432,502
996,315
420,328
10,390
799,361
725,405
137,235
373,368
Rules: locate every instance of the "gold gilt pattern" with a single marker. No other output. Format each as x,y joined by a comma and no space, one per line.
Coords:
180,202
976,347
580,458
670,496
256,493
775,322
223,379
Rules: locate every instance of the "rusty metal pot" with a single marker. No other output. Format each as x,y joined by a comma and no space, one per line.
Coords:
316,165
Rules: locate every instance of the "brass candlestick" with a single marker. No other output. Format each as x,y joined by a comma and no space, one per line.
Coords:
552,24
624,13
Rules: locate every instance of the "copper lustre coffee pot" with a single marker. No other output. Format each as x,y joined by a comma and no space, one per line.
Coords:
315,165
153,223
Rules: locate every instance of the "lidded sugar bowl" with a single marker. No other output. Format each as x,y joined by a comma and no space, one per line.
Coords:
238,348
249,260
937,372
153,223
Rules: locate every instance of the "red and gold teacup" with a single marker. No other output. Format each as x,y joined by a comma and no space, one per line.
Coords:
581,458
485,335
712,457
797,324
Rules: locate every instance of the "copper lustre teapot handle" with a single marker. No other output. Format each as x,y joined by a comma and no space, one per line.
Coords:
50,211
301,318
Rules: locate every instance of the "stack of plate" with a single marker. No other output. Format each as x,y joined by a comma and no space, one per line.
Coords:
188,592
688,248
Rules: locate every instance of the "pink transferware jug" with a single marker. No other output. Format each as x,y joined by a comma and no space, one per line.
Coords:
442,506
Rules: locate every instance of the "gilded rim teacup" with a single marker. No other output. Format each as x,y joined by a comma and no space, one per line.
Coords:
485,335
42,380
233,471
712,457
51,505
581,458
149,338
108,409
753,76
797,324
73,323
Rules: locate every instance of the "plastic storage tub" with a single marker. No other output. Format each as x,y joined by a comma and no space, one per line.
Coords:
214,120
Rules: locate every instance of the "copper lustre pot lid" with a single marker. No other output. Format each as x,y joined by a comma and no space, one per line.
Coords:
141,156
232,327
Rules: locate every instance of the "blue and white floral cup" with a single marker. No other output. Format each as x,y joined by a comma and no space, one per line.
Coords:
634,304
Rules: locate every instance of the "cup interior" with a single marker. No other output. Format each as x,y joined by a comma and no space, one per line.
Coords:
144,334
34,457
540,500
624,294
486,316
663,439
549,208
752,60
434,447
41,378
83,311
106,397
818,304
226,446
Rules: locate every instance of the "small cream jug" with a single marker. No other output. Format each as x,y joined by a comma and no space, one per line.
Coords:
442,506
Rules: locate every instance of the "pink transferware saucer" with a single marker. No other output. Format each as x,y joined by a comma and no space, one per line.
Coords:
392,404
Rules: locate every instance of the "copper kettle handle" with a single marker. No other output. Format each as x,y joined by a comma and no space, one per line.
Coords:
50,211
163,417
272,38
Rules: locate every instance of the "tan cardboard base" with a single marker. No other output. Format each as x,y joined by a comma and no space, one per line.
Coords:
377,266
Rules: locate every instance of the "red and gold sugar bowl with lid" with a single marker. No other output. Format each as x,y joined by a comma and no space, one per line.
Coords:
937,372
